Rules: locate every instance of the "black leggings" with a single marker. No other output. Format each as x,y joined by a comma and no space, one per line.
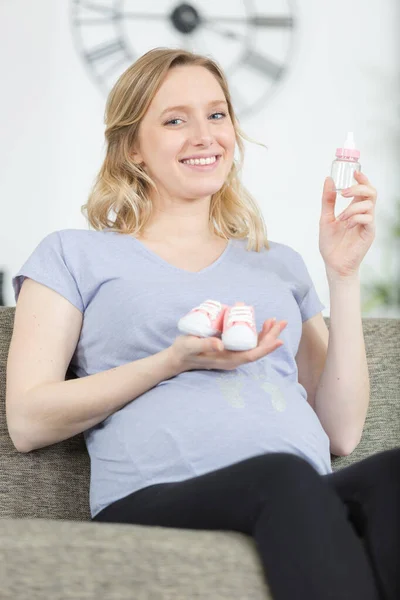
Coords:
333,536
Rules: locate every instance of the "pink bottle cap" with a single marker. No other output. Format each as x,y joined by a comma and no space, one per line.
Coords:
347,153
349,148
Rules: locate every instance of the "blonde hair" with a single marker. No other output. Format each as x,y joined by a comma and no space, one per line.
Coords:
122,186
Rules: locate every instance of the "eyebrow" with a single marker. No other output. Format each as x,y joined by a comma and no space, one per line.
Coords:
184,107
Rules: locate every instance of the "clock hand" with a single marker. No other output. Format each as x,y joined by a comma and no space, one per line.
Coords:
205,22
225,33
258,20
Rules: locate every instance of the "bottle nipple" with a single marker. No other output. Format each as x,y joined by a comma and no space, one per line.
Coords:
349,143
349,148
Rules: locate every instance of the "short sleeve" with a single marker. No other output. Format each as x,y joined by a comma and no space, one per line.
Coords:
304,290
47,265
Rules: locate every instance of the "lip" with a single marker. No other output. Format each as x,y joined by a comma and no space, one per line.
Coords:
210,167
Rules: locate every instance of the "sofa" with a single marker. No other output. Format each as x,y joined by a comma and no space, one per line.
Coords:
49,548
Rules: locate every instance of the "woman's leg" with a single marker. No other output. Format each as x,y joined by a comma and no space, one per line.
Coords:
300,526
371,490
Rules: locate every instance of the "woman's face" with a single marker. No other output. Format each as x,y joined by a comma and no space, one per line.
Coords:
199,127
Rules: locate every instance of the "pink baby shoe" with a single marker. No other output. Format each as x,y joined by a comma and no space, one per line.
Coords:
204,320
239,328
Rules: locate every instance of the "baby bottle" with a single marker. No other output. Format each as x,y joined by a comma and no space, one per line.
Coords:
345,164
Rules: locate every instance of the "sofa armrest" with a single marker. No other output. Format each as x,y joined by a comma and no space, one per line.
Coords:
41,558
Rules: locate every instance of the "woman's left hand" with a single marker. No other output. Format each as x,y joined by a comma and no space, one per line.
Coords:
344,243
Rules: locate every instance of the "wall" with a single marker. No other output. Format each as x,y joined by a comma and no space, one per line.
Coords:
343,76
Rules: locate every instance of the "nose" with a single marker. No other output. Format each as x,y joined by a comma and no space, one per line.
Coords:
201,134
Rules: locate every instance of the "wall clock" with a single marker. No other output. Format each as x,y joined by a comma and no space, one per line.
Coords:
251,39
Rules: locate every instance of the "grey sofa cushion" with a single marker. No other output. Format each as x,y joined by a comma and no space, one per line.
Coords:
65,560
53,482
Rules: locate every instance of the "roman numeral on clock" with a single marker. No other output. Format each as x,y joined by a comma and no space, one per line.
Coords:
113,48
261,63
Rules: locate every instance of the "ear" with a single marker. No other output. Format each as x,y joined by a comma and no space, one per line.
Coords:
135,153
137,158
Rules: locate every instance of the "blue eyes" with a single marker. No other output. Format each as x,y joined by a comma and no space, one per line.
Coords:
213,115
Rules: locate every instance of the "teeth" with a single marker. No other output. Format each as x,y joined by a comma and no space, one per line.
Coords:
200,161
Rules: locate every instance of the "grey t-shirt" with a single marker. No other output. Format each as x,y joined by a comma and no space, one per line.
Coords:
131,300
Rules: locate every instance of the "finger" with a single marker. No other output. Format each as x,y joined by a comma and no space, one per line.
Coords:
210,344
270,323
216,345
279,326
266,328
363,206
329,187
265,347
358,190
361,177
363,219
328,196
270,336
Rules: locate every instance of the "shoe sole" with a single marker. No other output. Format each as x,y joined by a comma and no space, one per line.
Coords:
203,332
242,347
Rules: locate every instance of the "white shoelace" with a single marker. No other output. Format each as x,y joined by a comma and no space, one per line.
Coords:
240,313
211,307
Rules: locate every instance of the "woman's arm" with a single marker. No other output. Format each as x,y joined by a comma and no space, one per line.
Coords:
342,395
41,407
57,411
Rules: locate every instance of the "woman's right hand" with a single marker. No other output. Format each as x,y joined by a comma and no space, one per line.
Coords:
191,352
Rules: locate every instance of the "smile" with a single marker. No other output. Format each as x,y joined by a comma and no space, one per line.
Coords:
201,164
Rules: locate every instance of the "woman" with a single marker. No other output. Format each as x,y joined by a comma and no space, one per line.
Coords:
182,432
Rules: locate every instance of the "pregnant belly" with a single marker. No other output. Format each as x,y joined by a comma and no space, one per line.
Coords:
186,434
